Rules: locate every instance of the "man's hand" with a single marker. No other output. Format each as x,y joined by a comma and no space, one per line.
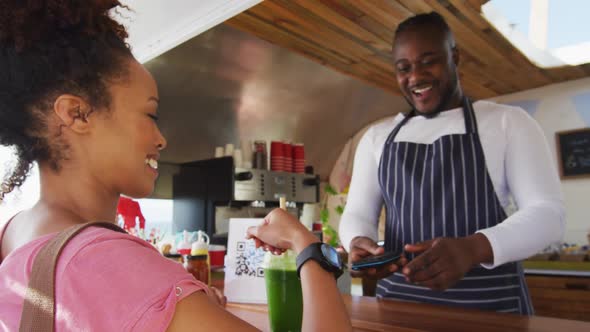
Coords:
442,262
362,247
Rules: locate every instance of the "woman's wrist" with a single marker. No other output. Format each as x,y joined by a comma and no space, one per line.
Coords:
302,240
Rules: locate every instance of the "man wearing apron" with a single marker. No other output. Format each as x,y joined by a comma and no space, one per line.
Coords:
445,172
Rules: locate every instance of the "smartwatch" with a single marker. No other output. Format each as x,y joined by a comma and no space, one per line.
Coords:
322,253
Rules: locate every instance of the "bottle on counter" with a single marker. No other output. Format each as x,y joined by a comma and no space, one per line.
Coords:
229,150
247,154
184,247
259,158
219,152
201,248
197,266
238,160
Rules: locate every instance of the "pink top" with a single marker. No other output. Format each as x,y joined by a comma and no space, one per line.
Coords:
105,281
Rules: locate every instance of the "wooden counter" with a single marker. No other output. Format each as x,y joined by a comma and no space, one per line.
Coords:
371,314
560,296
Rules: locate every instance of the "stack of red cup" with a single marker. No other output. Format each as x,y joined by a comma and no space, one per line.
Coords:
288,157
299,158
277,156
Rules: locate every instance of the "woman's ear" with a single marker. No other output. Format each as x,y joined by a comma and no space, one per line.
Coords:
73,112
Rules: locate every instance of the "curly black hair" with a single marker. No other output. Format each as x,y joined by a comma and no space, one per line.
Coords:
432,19
47,48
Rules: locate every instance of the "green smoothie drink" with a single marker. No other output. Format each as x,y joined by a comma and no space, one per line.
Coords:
283,292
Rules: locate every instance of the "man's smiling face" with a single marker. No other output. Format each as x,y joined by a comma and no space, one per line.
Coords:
425,69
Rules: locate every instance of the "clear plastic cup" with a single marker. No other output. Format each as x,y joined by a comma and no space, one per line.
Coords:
283,292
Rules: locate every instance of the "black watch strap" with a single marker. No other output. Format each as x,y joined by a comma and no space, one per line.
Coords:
314,251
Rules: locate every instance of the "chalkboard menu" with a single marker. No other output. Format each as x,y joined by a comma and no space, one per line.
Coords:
573,152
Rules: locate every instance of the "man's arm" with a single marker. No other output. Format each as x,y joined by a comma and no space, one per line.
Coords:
532,178
364,201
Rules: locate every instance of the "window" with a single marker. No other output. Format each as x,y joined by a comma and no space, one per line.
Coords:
158,215
157,212
21,198
549,32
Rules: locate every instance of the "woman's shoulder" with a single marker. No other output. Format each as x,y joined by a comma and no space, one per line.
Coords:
126,273
95,234
117,260
94,238
105,280
110,250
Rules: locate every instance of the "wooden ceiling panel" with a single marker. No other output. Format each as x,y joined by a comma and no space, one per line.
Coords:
369,24
381,11
355,36
344,24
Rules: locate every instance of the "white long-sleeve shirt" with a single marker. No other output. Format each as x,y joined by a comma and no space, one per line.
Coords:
518,161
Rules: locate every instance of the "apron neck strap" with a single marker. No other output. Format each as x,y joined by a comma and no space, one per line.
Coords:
406,118
469,116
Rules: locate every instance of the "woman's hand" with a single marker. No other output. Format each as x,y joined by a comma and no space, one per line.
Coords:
280,231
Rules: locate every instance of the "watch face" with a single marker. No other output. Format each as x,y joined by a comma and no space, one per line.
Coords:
331,255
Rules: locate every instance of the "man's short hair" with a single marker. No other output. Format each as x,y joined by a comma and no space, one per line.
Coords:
432,19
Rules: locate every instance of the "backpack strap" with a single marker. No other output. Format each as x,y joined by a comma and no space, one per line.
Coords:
39,307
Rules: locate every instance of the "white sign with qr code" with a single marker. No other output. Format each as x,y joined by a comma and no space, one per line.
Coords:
244,275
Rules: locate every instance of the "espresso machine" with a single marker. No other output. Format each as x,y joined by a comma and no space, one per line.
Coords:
207,193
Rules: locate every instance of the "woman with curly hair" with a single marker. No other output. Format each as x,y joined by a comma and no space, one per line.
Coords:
75,101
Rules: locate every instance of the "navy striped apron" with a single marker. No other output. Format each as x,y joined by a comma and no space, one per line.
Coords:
443,189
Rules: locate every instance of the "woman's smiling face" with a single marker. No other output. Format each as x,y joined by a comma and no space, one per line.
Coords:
126,140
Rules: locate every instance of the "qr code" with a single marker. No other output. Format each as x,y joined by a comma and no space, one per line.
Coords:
249,260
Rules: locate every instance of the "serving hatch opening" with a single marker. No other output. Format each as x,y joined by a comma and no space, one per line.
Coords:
550,33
